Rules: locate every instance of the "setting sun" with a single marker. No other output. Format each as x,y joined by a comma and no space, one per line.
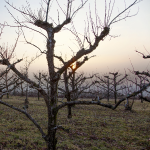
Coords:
73,66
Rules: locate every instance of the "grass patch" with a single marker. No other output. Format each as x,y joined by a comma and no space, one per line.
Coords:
91,128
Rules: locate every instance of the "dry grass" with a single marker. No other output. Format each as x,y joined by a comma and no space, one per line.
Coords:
91,128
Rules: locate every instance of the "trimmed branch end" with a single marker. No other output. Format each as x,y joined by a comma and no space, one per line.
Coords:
43,24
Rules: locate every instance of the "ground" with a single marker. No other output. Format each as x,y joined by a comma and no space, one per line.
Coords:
91,127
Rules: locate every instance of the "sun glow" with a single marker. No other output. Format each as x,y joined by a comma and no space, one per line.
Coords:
73,66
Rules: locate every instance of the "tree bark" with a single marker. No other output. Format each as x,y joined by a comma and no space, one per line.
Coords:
67,94
51,139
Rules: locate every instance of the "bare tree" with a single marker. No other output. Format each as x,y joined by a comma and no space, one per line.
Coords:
26,74
74,85
7,78
39,85
144,79
5,89
138,81
103,83
111,85
116,85
21,87
42,21
43,80
7,52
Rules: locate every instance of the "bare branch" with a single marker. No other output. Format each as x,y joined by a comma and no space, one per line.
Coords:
25,113
47,10
73,14
60,58
7,53
83,52
33,44
114,19
1,29
101,104
26,11
83,103
142,73
145,57
132,95
25,78
59,27
4,72
144,98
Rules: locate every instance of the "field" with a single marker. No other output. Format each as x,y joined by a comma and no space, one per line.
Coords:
91,128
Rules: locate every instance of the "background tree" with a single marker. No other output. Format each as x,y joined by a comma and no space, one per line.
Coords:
43,79
116,84
74,84
4,90
6,79
144,79
111,85
103,83
7,52
138,81
26,74
22,86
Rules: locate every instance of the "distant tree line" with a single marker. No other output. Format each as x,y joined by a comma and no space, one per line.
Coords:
112,85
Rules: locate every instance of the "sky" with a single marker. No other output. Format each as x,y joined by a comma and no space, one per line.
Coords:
114,53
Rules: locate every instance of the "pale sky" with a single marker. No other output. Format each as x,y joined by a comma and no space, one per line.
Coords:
112,54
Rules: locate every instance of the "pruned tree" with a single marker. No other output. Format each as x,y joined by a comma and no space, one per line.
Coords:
42,20
111,85
26,74
74,85
103,83
143,79
116,84
43,80
5,89
22,86
7,52
6,79
138,81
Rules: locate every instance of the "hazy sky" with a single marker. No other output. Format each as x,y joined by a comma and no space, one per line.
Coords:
112,54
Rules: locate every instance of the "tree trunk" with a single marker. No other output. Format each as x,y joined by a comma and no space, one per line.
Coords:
26,100
54,78
69,112
108,90
21,86
7,95
51,139
67,94
115,90
73,86
39,85
52,118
